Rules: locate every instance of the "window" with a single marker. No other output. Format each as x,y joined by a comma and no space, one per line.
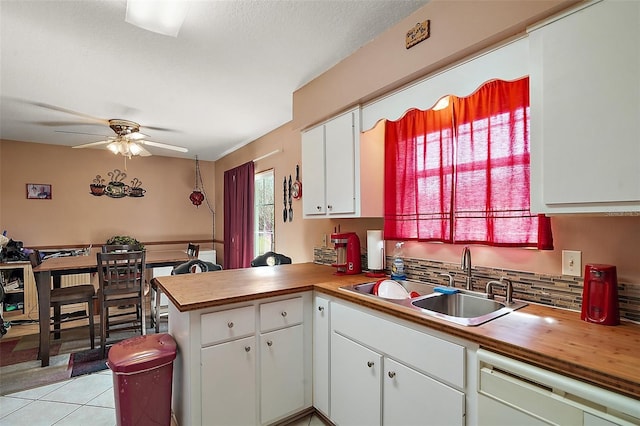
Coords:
461,174
264,213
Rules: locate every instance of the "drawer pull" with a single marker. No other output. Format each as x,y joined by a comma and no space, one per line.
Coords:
321,308
284,314
247,348
392,374
370,364
269,343
230,324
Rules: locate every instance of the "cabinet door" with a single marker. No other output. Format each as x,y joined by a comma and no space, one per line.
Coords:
313,169
355,383
585,106
340,147
228,383
282,372
411,398
321,336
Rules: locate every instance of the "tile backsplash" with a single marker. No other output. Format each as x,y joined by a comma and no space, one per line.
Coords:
560,291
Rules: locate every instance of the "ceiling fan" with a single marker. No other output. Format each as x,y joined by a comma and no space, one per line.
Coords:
129,141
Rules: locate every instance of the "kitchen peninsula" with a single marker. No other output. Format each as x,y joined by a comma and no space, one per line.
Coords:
270,314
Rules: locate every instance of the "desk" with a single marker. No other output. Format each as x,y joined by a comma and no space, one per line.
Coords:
59,266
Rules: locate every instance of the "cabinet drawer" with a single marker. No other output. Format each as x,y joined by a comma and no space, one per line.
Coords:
282,313
227,325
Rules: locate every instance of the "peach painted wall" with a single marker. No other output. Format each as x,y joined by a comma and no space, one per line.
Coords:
73,216
459,28
385,64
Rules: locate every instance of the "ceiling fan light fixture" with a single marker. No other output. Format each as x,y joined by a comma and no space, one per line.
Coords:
114,147
160,16
134,148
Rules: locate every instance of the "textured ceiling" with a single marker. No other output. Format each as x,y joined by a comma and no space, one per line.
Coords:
227,79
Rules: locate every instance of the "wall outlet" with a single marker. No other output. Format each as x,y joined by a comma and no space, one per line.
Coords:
572,263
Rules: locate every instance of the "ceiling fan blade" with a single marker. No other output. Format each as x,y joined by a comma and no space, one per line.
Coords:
163,145
81,133
161,129
88,145
69,111
144,152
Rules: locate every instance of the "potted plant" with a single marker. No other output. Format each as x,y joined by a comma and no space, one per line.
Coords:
125,240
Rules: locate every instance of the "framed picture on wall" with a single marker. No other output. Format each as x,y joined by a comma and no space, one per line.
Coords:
38,191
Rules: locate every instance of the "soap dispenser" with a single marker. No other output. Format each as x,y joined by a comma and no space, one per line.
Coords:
397,267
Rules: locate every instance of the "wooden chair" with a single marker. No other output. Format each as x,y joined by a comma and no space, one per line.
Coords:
64,296
108,248
193,250
121,277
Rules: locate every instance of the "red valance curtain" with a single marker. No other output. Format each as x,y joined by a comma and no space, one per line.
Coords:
419,176
475,164
238,216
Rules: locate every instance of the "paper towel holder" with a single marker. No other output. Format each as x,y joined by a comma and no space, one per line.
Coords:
375,254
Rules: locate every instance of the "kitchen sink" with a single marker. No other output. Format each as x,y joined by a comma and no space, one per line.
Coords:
411,286
465,307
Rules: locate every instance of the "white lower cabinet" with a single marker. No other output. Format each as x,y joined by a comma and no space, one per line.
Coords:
228,388
321,351
355,383
282,373
383,373
244,364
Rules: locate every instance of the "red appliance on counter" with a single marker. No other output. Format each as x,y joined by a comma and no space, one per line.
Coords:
347,245
600,295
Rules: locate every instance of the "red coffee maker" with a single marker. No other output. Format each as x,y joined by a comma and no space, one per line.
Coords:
600,295
347,245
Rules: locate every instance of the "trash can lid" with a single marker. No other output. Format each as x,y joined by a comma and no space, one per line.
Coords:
142,353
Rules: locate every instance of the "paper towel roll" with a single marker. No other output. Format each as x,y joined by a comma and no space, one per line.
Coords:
375,250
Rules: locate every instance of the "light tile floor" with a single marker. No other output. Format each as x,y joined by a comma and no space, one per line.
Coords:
83,400
80,401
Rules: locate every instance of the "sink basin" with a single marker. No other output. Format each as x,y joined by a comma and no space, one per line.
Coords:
463,308
411,286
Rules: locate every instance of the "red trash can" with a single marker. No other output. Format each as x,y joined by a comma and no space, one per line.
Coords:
142,378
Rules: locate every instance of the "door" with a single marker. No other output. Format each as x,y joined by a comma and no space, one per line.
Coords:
313,169
355,383
228,383
340,164
321,337
282,371
411,398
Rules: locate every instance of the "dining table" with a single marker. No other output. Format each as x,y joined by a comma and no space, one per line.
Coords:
49,273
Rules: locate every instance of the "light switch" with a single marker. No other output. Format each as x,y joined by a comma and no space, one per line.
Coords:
572,263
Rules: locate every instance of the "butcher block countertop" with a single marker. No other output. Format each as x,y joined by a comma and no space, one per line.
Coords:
554,339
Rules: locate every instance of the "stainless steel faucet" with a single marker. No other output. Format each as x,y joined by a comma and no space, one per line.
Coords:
504,282
465,264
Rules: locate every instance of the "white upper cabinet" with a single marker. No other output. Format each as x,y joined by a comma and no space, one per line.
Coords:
331,170
585,110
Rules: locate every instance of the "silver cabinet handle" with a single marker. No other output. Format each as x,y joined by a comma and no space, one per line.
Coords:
321,308
330,207
247,348
392,374
283,313
370,364
230,324
269,343
318,208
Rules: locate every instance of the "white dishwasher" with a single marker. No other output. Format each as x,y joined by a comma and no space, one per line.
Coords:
511,393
